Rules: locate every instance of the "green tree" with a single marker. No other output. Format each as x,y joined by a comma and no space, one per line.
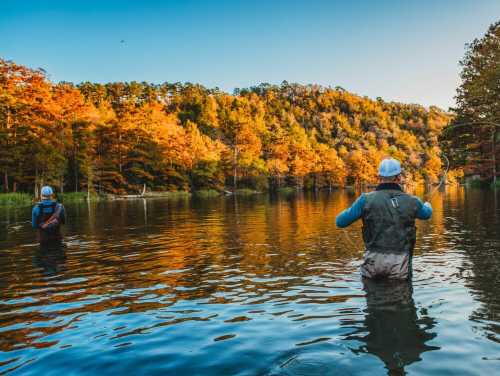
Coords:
473,135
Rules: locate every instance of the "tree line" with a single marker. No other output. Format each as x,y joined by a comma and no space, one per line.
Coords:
118,137
472,138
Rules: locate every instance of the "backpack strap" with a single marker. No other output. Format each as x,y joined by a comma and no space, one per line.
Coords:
55,216
58,208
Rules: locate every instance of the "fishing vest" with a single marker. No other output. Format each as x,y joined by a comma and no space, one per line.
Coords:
46,211
389,222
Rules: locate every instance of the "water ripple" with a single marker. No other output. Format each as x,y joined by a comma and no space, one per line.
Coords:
254,286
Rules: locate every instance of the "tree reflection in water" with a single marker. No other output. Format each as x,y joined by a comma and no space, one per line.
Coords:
391,329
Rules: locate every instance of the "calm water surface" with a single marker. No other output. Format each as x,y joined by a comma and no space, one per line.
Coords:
249,286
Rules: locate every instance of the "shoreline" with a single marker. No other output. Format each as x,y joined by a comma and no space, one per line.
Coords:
20,199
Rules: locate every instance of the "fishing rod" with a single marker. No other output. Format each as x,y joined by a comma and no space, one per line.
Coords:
430,195
459,125
443,177
489,123
445,157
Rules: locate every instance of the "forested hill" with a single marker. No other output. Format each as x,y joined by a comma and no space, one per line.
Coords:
118,136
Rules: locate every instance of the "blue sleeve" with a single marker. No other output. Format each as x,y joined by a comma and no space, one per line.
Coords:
424,211
351,214
34,215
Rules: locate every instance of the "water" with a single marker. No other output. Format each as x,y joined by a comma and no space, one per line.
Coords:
250,286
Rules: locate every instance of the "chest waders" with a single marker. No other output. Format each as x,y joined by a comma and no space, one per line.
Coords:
389,233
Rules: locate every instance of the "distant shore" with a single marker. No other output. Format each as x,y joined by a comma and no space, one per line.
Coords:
26,199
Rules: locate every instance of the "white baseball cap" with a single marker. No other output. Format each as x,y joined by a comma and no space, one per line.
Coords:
389,167
46,191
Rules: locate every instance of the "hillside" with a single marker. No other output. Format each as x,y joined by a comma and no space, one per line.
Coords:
118,136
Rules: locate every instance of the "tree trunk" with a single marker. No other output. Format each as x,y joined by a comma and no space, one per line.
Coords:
90,181
75,171
298,184
5,182
493,152
235,168
6,176
120,152
36,183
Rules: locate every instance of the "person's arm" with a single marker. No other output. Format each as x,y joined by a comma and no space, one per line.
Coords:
424,210
34,216
351,214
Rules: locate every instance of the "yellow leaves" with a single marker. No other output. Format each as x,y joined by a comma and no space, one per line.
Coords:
199,147
363,165
330,165
455,175
289,132
277,167
209,112
103,114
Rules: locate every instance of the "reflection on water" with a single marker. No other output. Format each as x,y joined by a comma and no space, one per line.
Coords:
50,257
391,328
257,285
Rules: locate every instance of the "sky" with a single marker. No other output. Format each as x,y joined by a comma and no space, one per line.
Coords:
405,51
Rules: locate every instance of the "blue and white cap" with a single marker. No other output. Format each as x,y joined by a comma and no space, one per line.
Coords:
46,191
389,167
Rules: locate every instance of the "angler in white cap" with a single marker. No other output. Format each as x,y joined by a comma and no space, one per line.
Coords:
47,217
388,216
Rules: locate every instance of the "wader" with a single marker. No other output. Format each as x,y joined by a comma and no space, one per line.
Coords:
389,234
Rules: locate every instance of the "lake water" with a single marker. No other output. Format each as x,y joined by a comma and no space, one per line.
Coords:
255,285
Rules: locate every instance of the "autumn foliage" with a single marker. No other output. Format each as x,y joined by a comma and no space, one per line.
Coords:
114,138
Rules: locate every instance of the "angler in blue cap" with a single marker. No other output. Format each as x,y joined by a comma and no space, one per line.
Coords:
47,217
388,216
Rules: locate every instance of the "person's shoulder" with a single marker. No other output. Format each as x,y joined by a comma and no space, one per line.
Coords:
415,199
365,196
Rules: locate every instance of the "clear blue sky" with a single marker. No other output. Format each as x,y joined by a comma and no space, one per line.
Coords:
406,51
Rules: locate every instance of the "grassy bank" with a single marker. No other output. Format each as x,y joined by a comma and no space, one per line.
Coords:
79,197
246,192
206,193
172,194
26,199
286,190
15,199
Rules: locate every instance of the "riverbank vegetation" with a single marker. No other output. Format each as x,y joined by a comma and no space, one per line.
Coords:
115,138
79,197
15,199
472,139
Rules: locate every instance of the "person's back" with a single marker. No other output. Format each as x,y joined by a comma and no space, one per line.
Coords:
47,217
389,220
389,232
